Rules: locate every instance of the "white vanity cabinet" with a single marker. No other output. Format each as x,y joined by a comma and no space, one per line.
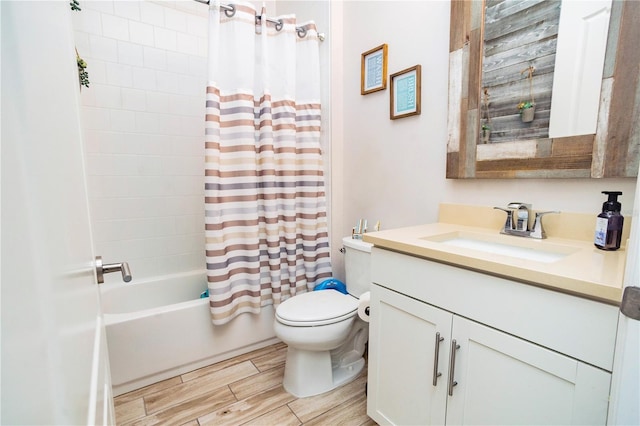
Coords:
510,362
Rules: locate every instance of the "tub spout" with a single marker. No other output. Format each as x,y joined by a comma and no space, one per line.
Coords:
106,268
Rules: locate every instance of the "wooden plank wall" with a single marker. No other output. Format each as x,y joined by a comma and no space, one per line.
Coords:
517,35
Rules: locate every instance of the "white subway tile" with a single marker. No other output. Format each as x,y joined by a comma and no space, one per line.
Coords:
99,6
188,145
165,39
134,99
175,20
177,62
197,66
87,96
144,79
83,46
148,165
147,122
152,13
146,268
119,75
97,70
123,121
192,126
158,102
197,26
103,48
183,263
187,44
155,58
203,47
147,186
189,224
107,96
91,141
190,85
103,209
167,82
193,106
99,164
141,33
182,166
95,118
116,186
127,9
130,54
171,125
180,244
115,27
187,6
88,21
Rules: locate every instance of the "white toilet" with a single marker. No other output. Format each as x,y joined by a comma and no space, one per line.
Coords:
326,337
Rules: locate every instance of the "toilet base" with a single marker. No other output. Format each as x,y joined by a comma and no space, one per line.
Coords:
309,373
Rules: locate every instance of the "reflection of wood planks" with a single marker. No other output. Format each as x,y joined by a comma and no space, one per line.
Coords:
518,35
614,151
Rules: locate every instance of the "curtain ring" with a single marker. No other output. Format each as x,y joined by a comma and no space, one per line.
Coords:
279,25
302,32
230,10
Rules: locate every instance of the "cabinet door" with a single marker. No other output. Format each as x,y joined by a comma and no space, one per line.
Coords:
505,380
402,352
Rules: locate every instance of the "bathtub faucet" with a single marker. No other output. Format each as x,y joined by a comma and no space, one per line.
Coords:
106,268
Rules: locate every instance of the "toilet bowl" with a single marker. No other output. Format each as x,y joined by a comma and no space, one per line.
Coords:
326,339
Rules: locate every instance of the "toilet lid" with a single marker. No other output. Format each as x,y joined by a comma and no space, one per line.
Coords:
317,308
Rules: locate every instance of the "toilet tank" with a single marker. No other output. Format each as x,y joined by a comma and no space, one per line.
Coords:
357,265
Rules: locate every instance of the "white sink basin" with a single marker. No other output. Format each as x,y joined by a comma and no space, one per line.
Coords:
518,247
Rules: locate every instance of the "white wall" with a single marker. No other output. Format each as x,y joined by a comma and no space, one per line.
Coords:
394,171
143,128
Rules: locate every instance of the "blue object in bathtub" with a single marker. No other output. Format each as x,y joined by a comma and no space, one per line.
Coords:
332,284
204,294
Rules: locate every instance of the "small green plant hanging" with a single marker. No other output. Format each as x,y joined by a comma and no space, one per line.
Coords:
83,75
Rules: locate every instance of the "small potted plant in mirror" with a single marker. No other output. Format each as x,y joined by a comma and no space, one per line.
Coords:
486,133
485,130
527,110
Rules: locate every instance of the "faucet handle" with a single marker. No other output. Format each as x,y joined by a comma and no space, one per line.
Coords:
508,224
538,229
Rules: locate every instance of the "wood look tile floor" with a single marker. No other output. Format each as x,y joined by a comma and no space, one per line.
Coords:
245,390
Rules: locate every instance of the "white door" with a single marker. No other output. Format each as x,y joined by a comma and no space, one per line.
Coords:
402,360
624,408
54,364
504,380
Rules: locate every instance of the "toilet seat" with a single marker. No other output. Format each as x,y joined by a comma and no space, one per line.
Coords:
317,308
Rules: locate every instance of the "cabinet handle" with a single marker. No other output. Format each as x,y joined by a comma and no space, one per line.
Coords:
436,355
452,366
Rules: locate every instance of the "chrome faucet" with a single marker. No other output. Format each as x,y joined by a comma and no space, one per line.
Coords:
517,222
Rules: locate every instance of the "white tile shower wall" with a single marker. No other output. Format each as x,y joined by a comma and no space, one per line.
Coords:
143,127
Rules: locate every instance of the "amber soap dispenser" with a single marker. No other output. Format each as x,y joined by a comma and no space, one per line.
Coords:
609,223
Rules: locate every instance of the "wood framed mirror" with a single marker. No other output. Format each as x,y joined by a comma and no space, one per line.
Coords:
612,151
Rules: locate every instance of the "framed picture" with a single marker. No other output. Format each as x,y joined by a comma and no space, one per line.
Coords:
405,93
373,72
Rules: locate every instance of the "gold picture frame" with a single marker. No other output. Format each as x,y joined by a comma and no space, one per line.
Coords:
406,87
373,70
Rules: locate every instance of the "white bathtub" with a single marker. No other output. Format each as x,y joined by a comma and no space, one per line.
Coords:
160,328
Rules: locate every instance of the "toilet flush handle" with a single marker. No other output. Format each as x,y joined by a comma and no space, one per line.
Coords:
106,268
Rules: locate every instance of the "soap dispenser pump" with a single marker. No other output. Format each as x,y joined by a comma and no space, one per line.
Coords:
609,223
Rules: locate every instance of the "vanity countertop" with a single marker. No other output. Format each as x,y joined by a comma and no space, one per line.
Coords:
583,270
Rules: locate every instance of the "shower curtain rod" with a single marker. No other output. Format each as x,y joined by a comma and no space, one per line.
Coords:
230,10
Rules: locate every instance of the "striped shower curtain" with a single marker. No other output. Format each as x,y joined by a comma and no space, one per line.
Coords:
265,205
